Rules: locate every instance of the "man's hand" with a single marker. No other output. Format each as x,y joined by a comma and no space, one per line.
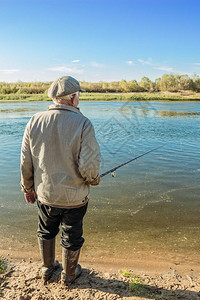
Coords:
96,181
30,197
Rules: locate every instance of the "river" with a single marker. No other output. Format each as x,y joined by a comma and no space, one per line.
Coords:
152,203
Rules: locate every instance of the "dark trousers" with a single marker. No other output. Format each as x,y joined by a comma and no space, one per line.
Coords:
71,221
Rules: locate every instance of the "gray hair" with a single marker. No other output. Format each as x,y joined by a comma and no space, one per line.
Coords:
64,99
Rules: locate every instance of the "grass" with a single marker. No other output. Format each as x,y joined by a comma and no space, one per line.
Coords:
139,96
138,288
24,97
3,267
181,96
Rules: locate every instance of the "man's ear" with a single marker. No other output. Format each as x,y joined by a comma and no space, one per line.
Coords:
73,97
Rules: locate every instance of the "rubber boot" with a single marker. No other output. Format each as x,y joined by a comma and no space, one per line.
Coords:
47,253
71,268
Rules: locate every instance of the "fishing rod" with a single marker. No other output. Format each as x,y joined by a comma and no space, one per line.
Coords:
127,162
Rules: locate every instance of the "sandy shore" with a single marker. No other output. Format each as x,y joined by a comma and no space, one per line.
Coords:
104,279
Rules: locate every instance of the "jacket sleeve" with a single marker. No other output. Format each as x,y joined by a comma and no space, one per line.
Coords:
27,173
90,156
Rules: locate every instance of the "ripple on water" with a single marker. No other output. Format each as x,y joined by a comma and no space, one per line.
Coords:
156,191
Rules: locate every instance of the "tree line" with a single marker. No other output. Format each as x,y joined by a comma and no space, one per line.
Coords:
167,83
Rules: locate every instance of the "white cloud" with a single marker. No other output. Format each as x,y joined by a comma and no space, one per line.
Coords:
76,61
64,69
158,66
10,71
196,64
166,69
96,64
129,62
146,62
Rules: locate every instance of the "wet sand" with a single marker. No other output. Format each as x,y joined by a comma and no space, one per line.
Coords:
150,276
143,261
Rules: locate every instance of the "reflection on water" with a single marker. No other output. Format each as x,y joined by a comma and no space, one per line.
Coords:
12,110
178,114
152,203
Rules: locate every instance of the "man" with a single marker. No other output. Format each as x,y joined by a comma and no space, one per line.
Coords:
60,158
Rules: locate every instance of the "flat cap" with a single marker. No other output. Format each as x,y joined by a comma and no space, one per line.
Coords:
64,86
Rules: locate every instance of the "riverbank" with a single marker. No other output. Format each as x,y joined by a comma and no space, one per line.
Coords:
156,96
102,281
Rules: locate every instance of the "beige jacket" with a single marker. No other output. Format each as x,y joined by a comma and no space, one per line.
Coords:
59,157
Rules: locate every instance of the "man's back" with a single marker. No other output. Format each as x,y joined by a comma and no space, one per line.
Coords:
58,155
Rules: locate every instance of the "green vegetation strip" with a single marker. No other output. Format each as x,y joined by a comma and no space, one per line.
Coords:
107,97
167,83
138,288
3,265
3,270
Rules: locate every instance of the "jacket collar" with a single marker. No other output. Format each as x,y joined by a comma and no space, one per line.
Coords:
64,107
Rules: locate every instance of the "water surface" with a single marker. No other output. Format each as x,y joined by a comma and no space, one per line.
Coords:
152,203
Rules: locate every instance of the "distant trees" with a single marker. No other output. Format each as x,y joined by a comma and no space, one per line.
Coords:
196,83
115,86
175,83
134,86
147,84
24,87
167,83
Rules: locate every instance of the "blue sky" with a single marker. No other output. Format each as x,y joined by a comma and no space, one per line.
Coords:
98,40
